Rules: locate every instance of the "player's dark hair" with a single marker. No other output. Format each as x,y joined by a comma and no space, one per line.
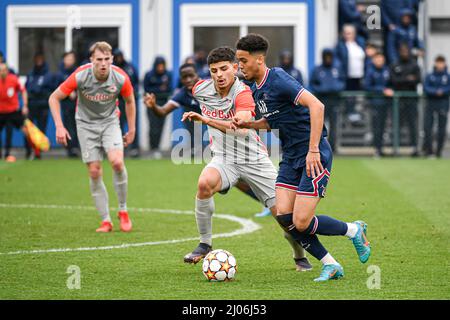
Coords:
221,54
185,66
253,43
69,53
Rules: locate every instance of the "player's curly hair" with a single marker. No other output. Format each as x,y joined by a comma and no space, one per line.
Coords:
253,43
221,54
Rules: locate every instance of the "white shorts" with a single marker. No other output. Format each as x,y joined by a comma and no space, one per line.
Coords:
260,176
98,139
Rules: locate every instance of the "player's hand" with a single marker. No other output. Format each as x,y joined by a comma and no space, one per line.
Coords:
25,111
237,123
193,116
313,165
150,100
62,135
128,138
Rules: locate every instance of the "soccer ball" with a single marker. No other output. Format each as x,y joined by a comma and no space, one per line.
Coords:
219,265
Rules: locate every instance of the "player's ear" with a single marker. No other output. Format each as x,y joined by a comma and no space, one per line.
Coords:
235,67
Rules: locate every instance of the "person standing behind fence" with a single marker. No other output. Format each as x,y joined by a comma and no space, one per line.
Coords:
377,82
130,70
287,64
405,76
326,81
437,90
39,85
159,82
350,52
67,67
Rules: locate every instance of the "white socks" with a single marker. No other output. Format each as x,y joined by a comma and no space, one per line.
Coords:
120,180
352,229
203,213
100,196
328,259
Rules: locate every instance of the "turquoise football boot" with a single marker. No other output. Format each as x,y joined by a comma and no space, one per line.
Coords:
330,272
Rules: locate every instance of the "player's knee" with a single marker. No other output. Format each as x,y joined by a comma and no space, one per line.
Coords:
205,189
95,171
117,165
301,222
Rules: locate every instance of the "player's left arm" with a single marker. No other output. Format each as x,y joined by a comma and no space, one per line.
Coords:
127,94
317,111
221,125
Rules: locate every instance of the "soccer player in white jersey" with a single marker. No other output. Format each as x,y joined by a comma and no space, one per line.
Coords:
98,85
237,154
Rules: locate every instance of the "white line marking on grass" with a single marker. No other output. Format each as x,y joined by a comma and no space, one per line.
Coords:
248,226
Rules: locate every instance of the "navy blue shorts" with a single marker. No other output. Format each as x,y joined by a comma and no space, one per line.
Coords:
292,174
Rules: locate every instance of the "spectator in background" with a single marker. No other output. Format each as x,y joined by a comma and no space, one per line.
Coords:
377,82
350,52
287,64
405,76
201,64
159,82
130,70
351,13
437,90
391,12
405,32
371,50
10,115
326,81
68,105
40,84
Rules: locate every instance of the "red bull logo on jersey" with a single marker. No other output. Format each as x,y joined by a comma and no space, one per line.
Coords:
218,114
100,97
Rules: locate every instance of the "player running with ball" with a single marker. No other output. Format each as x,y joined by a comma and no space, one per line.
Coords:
98,85
237,154
306,165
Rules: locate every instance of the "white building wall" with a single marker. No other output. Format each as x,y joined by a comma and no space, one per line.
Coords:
326,26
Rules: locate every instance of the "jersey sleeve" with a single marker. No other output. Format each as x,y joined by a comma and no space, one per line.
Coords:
244,102
194,88
69,85
290,88
19,86
127,88
178,98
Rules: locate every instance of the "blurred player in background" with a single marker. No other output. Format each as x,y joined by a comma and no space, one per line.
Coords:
237,154
305,169
10,115
98,85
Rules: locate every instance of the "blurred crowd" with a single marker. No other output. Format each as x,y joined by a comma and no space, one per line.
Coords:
355,64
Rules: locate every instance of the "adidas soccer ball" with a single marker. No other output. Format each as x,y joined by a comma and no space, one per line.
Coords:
219,265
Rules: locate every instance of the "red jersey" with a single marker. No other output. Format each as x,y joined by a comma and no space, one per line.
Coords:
9,93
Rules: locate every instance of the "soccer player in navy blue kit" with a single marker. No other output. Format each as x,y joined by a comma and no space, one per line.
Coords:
306,164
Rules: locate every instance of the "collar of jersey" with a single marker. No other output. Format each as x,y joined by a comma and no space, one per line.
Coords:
266,74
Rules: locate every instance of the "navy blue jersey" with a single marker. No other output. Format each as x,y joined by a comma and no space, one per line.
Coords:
184,98
276,98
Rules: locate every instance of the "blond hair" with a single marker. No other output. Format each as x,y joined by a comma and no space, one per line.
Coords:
102,46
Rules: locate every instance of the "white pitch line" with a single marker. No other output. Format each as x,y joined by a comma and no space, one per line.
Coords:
248,226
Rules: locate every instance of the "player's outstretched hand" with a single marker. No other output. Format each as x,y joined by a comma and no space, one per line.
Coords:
150,100
313,165
192,116
128,138
62,135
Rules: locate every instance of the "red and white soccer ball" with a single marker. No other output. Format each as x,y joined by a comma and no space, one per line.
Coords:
219,265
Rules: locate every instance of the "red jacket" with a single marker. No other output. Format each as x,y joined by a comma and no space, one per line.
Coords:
9,93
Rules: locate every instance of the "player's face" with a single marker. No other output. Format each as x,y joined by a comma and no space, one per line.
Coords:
188,77
249,64
102,62
223,73
3,70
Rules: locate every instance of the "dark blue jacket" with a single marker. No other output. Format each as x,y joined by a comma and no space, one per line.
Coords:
348,13
436,81
294,73
327,80
341,52
132,73
158,83
391,10
375,81
40,84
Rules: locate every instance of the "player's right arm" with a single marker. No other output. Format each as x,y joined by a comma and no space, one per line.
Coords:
260,124
150,102
62,92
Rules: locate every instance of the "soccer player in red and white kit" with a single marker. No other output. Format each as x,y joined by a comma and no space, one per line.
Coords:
10,87
98,85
